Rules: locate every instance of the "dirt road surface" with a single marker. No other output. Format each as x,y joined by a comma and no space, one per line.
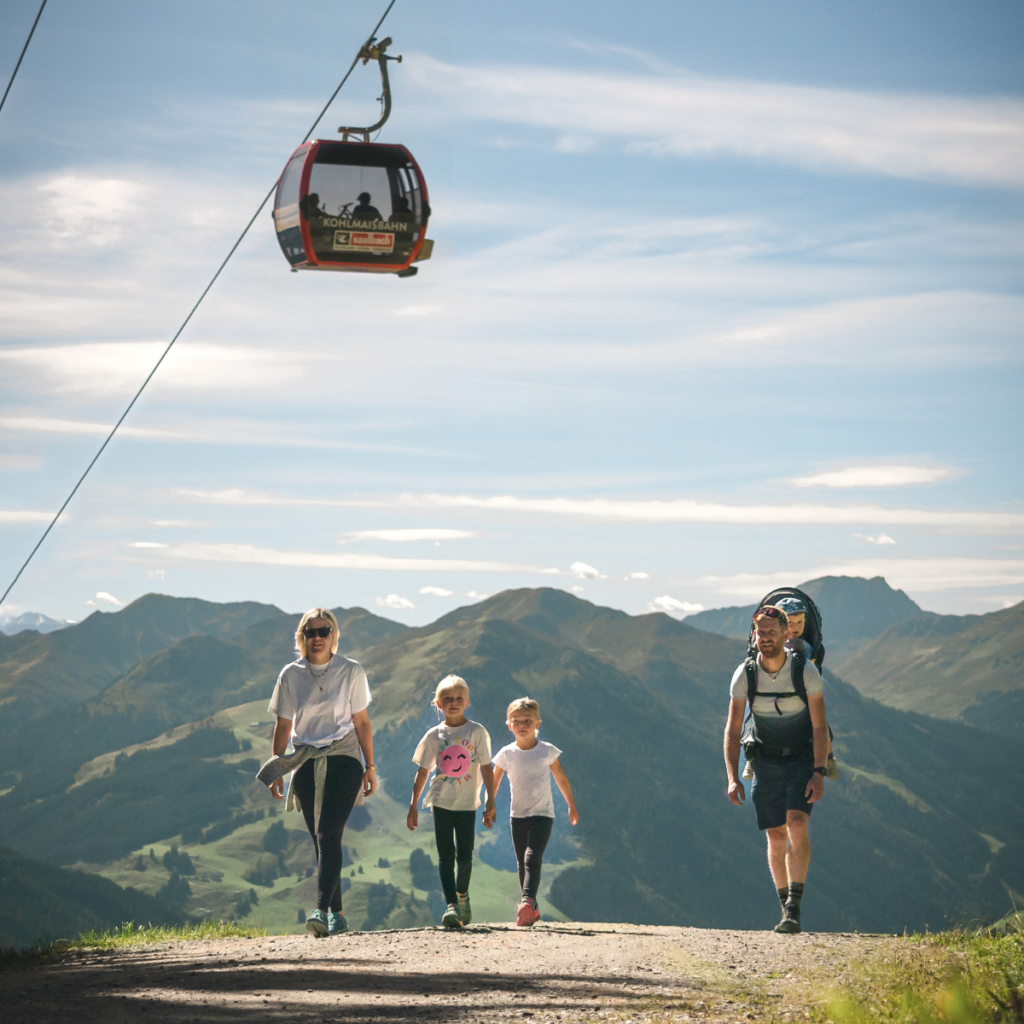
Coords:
550,973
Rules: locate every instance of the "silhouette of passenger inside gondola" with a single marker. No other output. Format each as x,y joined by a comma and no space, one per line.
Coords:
364,211
310,206
401,211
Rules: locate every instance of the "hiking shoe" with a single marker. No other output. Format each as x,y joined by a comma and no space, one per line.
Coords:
528,913
316,924
465,910
790,923
336,923
748,770
831,768
450,918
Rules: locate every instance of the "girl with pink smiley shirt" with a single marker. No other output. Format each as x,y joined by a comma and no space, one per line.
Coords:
458,752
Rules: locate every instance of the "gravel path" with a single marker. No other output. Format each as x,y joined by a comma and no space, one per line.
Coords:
551,973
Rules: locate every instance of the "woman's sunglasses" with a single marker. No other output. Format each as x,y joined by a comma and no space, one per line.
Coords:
321,631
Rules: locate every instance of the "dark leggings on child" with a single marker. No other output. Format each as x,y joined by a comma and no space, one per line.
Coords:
455,834
529,837
341,787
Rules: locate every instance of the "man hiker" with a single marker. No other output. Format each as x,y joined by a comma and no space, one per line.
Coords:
787,740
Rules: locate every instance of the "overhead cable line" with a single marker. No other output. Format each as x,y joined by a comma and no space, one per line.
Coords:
184,323
14,74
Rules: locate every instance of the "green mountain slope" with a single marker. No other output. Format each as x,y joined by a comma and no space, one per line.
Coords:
41,903
853,610
43,673
914,832
193,678
949,666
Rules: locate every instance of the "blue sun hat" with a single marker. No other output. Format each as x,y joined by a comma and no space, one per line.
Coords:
791,606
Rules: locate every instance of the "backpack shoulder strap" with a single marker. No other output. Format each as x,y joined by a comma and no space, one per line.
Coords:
799,660
750,667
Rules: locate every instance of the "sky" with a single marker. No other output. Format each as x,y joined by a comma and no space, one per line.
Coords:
723,296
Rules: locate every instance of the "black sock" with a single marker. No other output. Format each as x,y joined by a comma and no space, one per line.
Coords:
783,895
796,890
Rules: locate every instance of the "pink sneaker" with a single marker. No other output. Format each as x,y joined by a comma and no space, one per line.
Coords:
528,913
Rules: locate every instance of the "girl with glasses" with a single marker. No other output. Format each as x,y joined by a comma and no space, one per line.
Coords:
321,703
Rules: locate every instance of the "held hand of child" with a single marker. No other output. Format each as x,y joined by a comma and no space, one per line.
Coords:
490,813
412,819
573,816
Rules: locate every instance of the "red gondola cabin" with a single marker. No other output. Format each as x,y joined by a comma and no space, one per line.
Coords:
352,206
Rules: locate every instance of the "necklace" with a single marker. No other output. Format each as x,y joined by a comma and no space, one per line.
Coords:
318,677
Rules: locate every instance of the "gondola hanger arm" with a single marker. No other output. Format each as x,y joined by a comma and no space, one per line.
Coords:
375,51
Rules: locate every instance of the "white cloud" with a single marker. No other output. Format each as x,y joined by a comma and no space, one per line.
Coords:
91,211
582,571
100,368
477,596
417,310
42,425
155,574
638,576
106,598
576,588
673,606
687,510
402,536
249,554
147,544
882,538
937,138
921,575
876,476
13,516
395,602
436,591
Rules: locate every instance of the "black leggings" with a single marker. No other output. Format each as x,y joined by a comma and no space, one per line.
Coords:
530,836
455,834
341,787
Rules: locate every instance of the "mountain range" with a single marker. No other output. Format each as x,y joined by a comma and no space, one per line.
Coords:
11,624
130,740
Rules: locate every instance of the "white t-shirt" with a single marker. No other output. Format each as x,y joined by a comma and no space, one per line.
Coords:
320,699
529,776
459,751
781,682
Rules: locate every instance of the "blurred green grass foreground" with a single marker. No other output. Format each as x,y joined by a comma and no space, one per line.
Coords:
952,977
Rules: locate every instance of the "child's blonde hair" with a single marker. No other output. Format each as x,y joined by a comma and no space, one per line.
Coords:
523,704
451,682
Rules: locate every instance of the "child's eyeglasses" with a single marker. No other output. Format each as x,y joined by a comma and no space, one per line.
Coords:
323,632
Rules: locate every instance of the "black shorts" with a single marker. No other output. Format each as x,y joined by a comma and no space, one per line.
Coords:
779,786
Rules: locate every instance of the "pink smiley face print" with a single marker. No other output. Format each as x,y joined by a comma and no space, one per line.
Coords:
454,761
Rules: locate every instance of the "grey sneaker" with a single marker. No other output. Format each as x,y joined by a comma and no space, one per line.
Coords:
831,768
316,924
450,918
465,910
748,770
336,923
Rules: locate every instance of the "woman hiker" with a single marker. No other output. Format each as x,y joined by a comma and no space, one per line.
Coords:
320,702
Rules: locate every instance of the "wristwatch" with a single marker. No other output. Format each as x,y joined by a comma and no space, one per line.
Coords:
821,770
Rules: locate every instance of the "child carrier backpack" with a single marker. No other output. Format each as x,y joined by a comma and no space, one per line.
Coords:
814,649
812,626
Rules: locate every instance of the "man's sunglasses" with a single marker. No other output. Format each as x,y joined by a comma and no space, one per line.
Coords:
321,631
768,612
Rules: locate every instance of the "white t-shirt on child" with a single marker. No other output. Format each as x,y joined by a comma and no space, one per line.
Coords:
467,747
529,776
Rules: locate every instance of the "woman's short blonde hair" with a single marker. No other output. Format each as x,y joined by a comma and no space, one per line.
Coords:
316,613
523,704
451,682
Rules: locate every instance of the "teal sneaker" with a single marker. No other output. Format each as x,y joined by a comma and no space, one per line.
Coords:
450,918
336,923
465,910
316,924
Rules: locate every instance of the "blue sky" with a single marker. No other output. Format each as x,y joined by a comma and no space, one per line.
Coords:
723,296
